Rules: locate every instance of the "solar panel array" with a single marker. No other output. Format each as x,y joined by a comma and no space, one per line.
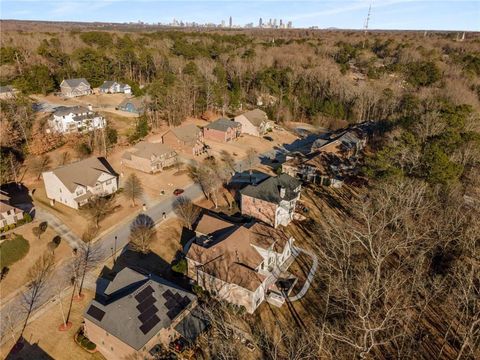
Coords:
175,303
148,311
96,313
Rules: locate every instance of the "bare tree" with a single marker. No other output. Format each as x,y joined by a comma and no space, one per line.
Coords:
251,159
88,256
142,233
133,188
228,159
37,279
99,208
186,211
40,164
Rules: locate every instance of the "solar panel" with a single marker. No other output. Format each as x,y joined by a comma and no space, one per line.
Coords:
173,312
147,314
144,293
150,324
146,303
96,313
167,294
171,303
185,301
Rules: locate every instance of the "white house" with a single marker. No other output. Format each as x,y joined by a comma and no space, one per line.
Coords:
75,184
239,264
254,122
75,87
113,87
9,214
68,119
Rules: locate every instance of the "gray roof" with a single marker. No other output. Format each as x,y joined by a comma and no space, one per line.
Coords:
138,301
107,84
187,133
85,172
6,89
192,325
223,124
146,150
73,83
256,116
269,190
138,103
65,110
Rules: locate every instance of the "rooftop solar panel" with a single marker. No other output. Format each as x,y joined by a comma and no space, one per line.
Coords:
144,293
147,314
146,303
150,324
185,301
172,302
172,313
96,313
167,294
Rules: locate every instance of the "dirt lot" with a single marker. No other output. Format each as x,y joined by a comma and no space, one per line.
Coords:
17,275
47,342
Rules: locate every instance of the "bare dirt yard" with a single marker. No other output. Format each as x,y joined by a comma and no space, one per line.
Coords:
44,339
16,277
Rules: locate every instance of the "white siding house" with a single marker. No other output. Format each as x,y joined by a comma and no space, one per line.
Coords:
75,87
113,87
71,119
254,122
75,184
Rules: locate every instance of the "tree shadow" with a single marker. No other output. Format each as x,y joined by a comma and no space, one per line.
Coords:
19,196
28,351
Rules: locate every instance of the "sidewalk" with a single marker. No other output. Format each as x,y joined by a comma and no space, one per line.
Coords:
60,228
310,276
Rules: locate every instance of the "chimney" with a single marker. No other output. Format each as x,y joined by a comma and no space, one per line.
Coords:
282,192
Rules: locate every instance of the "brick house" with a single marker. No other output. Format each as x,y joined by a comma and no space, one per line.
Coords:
222,130
271,201
75,184
134,312
75,87
240,264
254,122
186,138
149,157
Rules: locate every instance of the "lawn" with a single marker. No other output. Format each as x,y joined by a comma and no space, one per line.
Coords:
13,250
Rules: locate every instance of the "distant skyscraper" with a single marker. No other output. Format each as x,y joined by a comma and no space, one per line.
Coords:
223,23
230,23
274,22
260,22
289,25
281,23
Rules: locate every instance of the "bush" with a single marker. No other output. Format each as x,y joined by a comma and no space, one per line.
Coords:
11,226
13,250
422,73
27,217
180,267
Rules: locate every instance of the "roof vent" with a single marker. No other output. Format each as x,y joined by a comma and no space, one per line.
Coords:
282,192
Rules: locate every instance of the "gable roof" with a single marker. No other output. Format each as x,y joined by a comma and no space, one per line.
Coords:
256,116
146,150
186,133
139,308
107,84
4,207
223,125
73,83
269,190
84,172
66,110
138,103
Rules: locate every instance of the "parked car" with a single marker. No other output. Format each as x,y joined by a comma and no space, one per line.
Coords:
178,192
269,138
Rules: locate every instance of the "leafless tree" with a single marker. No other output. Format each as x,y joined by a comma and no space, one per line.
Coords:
251,159
98,208
88,256
228,159
133,189
142,233
40,164
186,211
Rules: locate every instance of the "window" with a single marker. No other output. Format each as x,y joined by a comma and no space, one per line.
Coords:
109,182
60,190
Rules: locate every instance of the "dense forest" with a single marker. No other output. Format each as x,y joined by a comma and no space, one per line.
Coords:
422,90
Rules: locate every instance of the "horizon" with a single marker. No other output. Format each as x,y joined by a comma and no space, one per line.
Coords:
459,15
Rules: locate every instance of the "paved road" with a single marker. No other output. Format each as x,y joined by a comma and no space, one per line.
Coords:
116,238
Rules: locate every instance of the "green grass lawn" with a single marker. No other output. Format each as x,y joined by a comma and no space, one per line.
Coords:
13,250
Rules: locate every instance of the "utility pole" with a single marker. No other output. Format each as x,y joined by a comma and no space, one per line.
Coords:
365,26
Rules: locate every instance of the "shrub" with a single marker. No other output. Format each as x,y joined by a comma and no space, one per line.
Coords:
422,73
11,226
27,217
56,240
4,272
13,250
180,267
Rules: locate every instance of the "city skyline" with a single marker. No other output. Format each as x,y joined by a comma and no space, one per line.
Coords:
386,14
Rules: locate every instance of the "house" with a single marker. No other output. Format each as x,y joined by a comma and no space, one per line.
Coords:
133,105
133,313
240,264
271,201
186,138
75,87
113,87
254,122
347,143
317,167
7,92
75,184
222,130
149,157
71,119
8,214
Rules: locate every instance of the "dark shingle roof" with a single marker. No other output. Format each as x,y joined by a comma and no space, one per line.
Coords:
107,84
223,124
269,190
139,308
73,83
66,110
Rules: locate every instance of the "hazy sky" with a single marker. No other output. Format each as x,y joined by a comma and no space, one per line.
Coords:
386,14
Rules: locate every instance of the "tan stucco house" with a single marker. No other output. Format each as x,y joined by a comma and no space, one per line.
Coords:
149,157
272,201
135,312
74,184
238,263
254,122
185,138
